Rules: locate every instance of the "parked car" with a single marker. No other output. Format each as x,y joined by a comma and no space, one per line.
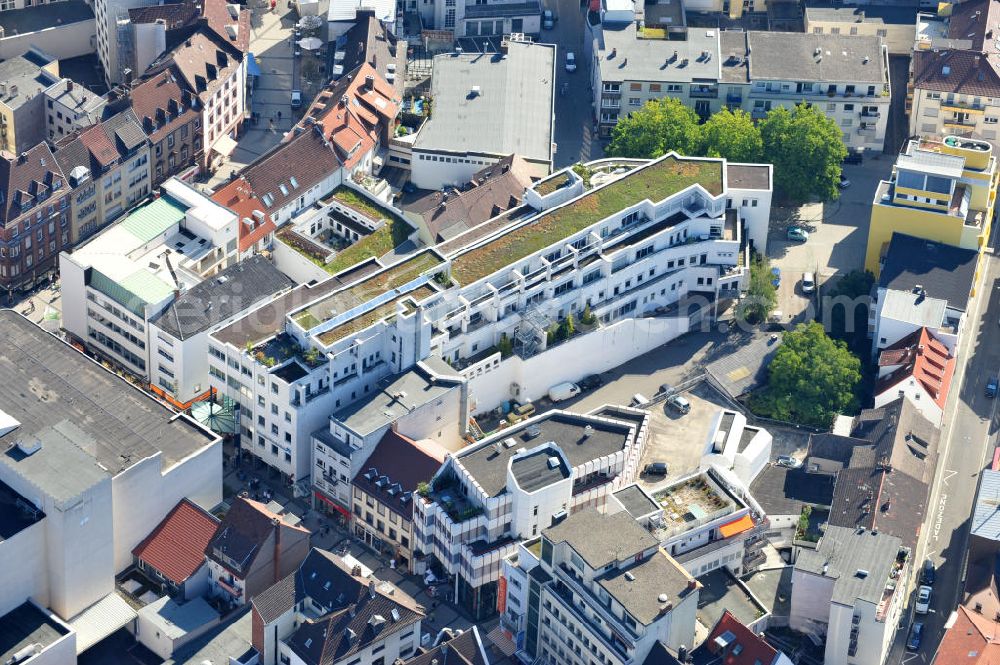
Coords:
775,276
562,391
788,461
991,387
656,469
808,282
591,382
570,62
854,157
679,404
797,233
916,634
928,574
923,600
548,20
639,399
296,99
844,182
520,412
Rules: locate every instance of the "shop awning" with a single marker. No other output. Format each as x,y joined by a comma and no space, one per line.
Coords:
744,523
224,146
333,504
253,69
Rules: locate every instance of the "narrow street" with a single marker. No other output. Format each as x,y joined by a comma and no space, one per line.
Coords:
967,443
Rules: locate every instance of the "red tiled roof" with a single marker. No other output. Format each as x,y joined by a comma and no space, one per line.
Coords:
154,94
354,111
921,356
972,640
96,140
176,547
958,71
216,12
238,196
306,156
403,461
755,649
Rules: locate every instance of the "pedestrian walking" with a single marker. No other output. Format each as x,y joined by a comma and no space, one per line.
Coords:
270,124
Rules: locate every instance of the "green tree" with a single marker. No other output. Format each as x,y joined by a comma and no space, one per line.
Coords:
845,309
811,378
654,130
505,345
570,325
732,134
806,148
587,317
762,296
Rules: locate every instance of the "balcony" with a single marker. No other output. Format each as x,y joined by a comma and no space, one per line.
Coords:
961,125
564,596
871,114
703,92
230,589
734,98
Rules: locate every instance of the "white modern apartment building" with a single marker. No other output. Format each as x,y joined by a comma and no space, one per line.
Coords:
113,27
850,592
326,345
597,588
510,486
97,463
177,336
846,76
120,279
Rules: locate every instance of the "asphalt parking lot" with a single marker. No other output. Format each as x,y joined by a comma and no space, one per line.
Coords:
838,235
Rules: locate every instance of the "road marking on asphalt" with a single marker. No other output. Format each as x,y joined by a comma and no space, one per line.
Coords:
909,656
948,474
942,501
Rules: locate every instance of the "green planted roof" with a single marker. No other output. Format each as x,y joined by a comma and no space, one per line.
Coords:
655,182
154,219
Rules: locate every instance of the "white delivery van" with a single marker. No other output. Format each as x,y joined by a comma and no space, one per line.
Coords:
561,391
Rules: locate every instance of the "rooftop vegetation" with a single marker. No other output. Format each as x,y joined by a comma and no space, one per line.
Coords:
656,182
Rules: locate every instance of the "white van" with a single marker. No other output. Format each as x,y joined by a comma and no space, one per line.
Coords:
640,400
561,391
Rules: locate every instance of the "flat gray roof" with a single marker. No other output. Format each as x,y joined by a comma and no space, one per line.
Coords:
895,15
90,423
844,552
512,111
566,430
635,501
721,591
25,625
625,57
601,539
228,640
533,472
789,56
399,395
24,71
745,368
32,19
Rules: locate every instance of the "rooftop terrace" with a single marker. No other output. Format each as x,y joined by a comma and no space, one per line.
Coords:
696,499
655,182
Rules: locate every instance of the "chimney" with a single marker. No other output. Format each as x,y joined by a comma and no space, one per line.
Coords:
277,549
69,85
371,588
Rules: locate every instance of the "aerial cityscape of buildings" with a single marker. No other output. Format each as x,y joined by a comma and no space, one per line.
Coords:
496,333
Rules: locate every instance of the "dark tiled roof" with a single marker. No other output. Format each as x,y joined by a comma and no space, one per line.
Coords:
307,157
216,12
176,547
174,15
205,60
945,272
370,41
405,464
975,20
465,649
783,491
22,178
957,71
236,288
493,190
885,484
242,533
151,101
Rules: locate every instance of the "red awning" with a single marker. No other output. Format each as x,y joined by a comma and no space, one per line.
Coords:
333,504
744,523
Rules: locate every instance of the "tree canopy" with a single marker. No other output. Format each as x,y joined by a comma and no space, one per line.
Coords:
761,296
655,129
811,378
806,148
732,134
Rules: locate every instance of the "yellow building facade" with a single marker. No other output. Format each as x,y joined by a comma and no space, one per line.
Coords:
940,190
